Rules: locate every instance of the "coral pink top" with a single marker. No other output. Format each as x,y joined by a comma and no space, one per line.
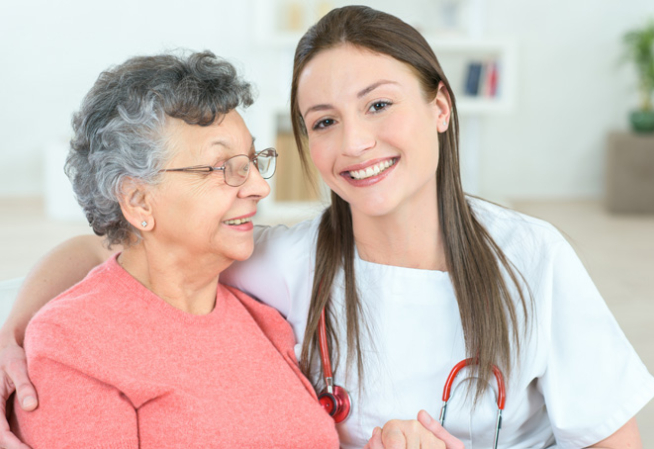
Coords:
116,367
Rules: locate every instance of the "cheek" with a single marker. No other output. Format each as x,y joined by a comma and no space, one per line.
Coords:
321,157
195,202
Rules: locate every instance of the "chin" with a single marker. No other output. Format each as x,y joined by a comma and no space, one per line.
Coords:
242,254
376,208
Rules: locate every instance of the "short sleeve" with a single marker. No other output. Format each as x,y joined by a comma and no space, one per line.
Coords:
594,381
75,410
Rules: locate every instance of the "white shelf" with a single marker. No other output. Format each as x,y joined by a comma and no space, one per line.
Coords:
481,106
455,54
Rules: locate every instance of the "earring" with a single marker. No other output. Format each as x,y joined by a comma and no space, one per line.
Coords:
144,223
444,122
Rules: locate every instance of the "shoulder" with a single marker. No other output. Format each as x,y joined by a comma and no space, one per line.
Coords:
268,319
282,257
253,306
78,314
279,244
298,237
513,231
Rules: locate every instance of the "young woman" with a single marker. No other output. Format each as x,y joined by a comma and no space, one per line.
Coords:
413,276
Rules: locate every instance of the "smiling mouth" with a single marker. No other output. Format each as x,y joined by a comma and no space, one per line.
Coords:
237,222
373,170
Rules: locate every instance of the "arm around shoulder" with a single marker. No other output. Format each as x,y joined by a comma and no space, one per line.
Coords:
58,270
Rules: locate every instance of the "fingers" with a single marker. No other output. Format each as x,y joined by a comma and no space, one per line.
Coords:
409,434
438,431
15,368
13,377
9,441
375,441
393,435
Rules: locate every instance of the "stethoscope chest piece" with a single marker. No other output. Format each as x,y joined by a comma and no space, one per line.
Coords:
337,403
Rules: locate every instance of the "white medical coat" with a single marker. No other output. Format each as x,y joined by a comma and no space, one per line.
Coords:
578,379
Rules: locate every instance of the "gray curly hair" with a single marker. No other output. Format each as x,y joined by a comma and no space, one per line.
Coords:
119,127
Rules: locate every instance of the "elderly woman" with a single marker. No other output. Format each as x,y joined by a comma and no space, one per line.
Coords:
150,350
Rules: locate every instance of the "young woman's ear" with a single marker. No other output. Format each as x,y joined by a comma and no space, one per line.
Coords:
443,105
135,202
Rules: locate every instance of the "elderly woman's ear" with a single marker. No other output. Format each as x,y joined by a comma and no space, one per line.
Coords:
136,204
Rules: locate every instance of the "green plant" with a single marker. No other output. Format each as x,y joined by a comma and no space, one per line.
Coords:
640,50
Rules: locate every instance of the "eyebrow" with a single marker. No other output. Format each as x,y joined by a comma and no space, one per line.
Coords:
373,86
363,92
227,146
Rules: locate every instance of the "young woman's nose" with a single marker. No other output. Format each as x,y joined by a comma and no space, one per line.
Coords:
358,137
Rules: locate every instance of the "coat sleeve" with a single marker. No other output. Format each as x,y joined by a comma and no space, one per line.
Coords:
75,409
594,381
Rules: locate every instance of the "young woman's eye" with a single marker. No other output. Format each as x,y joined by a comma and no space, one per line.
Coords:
379,105
322,124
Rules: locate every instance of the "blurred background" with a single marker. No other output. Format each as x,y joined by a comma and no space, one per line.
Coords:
545,91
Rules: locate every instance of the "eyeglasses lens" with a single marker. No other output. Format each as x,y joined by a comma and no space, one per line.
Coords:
265,163
236,170
238,167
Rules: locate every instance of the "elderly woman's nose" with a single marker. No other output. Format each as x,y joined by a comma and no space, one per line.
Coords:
255,185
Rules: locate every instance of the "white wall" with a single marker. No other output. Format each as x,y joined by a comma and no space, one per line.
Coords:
571,91
52,52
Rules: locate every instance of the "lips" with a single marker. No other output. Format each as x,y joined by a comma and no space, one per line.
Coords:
370,172
238,221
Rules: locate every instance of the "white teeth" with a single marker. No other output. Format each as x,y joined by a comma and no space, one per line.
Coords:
237,222
372,170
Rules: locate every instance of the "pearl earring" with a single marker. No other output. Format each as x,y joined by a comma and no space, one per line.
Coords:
144,223
444,122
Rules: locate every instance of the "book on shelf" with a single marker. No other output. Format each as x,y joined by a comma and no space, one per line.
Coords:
482,79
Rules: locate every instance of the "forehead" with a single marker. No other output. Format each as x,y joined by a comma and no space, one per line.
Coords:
347,69
228,134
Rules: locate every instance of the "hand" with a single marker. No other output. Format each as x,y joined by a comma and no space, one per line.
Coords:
424,433
13,377
435,427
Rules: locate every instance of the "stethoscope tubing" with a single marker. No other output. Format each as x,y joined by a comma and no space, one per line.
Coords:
334,399
501,394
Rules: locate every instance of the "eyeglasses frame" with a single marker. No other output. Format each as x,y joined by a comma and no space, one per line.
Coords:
209,168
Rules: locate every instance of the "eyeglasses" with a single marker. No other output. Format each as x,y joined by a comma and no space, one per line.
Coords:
237,168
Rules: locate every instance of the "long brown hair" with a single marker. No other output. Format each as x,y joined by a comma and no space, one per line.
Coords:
474,261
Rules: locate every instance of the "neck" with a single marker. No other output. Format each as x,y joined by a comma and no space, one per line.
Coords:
408,237
185,281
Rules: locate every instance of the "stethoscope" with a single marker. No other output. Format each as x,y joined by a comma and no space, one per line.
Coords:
501,394
335,400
